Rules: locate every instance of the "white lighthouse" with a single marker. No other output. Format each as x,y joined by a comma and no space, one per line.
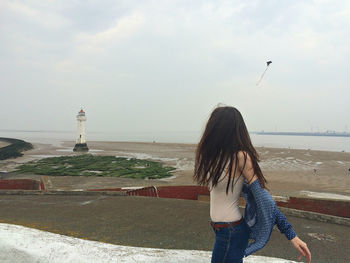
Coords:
81,145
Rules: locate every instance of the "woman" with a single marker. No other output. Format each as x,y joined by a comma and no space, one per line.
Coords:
227,163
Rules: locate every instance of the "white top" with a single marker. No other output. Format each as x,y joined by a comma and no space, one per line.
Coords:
224,207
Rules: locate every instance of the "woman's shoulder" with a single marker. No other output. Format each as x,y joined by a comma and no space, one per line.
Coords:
244,160
245,165
243,155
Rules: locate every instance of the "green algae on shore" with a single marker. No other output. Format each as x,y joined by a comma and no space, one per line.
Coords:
91,165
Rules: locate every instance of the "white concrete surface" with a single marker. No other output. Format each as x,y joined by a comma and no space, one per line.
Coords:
321,195
20,244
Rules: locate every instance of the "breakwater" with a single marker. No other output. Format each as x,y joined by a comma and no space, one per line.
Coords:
15,148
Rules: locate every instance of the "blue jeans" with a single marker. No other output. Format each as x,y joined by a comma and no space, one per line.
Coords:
230,243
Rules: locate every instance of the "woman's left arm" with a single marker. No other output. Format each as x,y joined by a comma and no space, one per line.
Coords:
286,228
283,225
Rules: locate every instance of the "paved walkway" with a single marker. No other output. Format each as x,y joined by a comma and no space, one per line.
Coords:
157,223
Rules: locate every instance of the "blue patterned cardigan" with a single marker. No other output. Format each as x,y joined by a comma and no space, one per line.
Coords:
261,214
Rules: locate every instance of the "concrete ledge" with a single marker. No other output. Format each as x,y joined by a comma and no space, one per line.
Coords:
85,193
316,216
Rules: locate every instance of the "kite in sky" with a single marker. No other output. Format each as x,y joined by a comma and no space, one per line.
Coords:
267,66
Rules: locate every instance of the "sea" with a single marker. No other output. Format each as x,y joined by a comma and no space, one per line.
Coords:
322,143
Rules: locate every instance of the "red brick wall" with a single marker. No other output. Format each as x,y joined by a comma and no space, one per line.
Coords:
182,192
329,207
42,185
20,184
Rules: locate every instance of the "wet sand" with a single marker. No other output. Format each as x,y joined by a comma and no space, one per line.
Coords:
288,171
3,144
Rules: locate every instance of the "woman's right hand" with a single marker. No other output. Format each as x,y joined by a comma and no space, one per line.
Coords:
302,248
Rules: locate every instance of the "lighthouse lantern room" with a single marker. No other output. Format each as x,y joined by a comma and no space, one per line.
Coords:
81,145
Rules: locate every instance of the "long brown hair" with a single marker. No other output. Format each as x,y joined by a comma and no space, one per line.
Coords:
225,135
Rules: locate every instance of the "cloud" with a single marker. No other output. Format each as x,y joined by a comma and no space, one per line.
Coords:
124,28
43,18
169,59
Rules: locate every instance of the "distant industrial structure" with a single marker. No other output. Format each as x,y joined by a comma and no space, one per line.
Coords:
81,145
327,133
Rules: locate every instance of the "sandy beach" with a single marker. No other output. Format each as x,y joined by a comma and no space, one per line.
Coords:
289,172
3,144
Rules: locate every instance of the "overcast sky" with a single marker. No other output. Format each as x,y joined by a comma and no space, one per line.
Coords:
164,65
